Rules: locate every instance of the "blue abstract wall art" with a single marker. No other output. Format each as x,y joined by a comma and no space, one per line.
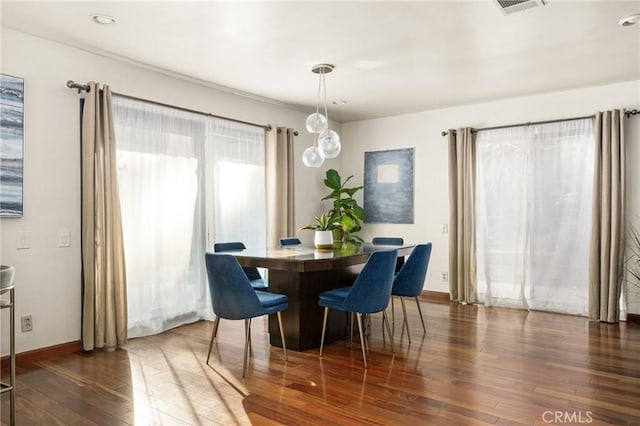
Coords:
388,186
11,145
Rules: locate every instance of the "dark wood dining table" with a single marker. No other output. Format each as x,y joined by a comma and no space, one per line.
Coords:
302,273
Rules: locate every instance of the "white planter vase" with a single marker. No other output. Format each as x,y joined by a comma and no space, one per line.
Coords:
323,239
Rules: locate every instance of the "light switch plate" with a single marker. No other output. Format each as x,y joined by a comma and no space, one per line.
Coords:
23,239
64,238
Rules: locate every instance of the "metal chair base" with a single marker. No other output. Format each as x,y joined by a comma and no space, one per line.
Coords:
247,343
405,321
363,344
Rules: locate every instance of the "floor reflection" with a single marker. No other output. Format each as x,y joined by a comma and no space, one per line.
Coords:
473,365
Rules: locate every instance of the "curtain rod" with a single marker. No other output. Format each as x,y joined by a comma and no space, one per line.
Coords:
73,85
626,113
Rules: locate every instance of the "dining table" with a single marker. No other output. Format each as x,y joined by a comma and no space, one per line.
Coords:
302,272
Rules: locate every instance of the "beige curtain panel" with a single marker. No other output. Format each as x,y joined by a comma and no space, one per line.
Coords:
462,245
606,253
279,181
104,304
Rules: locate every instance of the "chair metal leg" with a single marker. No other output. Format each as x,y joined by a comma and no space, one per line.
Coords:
284,343
385,321
247,334
214,333
393,317
384,332
350,327
217,324
324,328
424,328
404,311
364,355
392,322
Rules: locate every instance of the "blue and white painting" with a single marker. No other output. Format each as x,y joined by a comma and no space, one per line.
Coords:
388,186
11,145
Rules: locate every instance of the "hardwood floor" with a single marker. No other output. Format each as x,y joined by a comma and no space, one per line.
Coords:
474,366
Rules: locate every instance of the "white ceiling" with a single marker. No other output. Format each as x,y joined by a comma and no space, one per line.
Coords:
391,57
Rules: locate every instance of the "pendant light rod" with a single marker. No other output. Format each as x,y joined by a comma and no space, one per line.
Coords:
324,87
319,67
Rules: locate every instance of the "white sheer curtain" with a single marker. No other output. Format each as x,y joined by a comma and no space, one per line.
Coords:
236,183
533,216
179,173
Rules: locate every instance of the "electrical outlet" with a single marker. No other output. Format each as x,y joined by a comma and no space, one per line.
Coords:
26,323
444,276
444,228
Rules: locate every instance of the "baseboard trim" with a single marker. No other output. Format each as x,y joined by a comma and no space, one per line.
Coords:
44,353
635,318
435,296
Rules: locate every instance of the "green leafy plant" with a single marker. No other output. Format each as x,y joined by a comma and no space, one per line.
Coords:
322,223
345,212
345,216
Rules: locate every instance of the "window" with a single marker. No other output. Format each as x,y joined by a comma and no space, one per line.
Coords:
183,181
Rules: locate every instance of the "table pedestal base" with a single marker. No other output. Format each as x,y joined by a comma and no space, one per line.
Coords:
302,321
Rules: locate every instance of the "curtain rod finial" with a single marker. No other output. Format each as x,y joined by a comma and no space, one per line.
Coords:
73,85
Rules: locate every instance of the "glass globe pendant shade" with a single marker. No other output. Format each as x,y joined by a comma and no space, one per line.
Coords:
329,144
316,123
311,157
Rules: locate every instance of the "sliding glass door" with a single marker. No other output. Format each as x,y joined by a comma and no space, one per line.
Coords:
181,179
236,183
533,215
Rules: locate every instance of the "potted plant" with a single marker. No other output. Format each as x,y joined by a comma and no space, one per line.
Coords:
345,216
324,226
346,212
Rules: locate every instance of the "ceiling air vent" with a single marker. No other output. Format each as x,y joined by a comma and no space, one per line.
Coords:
511,6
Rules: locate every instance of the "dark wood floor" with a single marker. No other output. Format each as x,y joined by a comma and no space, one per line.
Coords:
474,366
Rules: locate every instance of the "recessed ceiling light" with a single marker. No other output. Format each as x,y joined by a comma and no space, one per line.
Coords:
632,19
99,18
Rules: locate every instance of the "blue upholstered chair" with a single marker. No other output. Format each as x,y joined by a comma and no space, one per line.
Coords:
410,281
233,298
370,293
390,241
257,282
290,241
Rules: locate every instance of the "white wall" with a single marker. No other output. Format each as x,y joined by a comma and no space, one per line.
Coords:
422,132
47,277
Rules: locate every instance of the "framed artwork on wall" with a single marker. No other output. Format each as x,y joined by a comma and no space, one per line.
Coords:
388,186
11,145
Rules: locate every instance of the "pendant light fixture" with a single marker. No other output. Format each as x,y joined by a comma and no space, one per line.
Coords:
326,142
